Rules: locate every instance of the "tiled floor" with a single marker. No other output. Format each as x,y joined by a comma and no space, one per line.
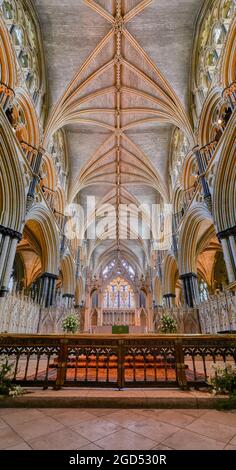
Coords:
111,429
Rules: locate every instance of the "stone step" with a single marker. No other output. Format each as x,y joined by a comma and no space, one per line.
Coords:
113,398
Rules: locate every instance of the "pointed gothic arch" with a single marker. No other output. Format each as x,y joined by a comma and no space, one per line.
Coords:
228,67
170,273
193,227
7,58
28,112
40,220
68,275
224,193
12,180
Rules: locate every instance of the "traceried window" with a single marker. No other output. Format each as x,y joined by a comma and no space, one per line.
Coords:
128,268
108,269
58,152
211,40
24,37
118,267
179,150
7,9
203,290
119,294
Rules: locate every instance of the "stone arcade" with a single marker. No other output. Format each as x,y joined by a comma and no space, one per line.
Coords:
117,190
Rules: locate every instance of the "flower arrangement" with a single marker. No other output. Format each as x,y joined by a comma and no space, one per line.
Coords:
224,380
167,324
71,323
6,375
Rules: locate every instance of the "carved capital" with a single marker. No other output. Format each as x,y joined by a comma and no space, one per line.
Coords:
50,276
227,233
9,232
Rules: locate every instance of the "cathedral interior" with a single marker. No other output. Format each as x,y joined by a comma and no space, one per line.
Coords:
117,168
118,197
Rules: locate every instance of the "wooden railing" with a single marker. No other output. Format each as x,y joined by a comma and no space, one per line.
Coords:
60,218
189,195
30,153
177,219
207,153
118,361
6,95
49,195
230,94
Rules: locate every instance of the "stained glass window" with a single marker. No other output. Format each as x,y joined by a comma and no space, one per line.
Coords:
212,37
118,267
24,36
119,294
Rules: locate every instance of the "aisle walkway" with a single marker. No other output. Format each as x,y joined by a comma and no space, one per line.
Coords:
111,429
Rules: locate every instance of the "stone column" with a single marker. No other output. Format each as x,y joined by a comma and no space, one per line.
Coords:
9,241
191,289
100,299
136,317
8,268
150,325
36,168
175,227
227,239
229,94
68,300
205,187
232,241
87,320
78,263
169,300
100,316
4,249
47,289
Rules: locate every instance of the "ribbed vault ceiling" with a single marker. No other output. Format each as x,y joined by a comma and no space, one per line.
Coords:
118,77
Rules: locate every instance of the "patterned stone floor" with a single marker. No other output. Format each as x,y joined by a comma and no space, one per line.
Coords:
112,429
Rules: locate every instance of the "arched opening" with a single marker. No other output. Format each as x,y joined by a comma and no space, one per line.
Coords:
172,287
28,264
211,268
7,61
224,199
94,299
23,28
143,297
79,292
94,319
198,223
35,269
143,321
157,292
